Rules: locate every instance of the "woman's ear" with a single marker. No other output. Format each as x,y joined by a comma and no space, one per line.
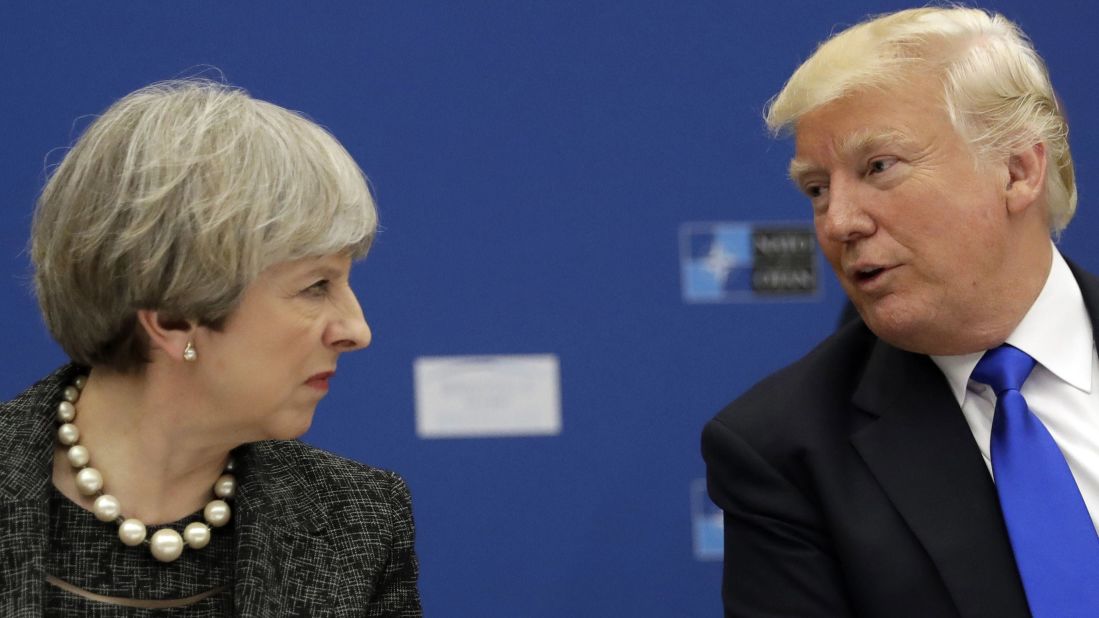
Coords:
167,335
1026,177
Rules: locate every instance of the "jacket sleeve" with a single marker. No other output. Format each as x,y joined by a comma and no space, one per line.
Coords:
778,557
396,594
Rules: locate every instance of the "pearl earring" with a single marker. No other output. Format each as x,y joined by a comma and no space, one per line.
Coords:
190,354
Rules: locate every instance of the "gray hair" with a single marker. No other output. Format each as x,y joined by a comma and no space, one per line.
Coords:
996,88
174,200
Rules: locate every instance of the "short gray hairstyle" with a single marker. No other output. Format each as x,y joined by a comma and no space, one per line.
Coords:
175,199
996,88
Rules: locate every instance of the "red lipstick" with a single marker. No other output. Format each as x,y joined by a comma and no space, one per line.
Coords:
319,381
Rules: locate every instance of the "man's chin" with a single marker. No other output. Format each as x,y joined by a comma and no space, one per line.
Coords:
898,326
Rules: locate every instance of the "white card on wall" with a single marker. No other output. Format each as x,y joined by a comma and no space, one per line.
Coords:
486,396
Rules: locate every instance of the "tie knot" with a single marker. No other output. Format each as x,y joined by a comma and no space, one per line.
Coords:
1004,368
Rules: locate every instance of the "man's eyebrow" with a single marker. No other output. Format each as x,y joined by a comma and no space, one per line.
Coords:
799,169
861,141
850,146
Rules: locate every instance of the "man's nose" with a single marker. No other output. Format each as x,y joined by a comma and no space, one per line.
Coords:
846,218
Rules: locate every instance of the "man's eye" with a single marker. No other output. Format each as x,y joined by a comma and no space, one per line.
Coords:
878,166
813,191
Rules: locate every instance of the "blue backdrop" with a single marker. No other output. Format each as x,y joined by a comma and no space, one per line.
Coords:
533,162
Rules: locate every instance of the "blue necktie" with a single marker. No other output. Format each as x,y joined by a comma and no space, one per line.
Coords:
1055,543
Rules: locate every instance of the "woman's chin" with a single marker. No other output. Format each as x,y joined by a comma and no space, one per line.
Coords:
292,425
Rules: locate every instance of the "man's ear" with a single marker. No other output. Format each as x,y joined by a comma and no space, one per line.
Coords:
166,335
1026,177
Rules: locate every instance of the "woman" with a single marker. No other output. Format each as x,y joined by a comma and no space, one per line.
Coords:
191,256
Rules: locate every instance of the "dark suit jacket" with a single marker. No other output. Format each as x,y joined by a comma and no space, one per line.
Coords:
852,486
316,534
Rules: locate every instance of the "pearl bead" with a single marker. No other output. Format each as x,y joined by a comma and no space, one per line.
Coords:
71,394
166,545
231,465
68,434
226,486
131,532
78,456
197,535
216,513
89,481
66,411
80,381
107,508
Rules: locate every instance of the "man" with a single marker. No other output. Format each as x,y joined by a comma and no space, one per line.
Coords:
859,481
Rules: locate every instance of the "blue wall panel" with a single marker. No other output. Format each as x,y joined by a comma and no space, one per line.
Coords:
533,162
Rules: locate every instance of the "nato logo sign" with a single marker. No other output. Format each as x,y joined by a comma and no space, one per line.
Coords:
745,262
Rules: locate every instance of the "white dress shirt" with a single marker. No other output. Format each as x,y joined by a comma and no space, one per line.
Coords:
1057,333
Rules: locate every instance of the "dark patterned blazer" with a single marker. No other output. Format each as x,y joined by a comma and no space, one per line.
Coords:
852,486
316,534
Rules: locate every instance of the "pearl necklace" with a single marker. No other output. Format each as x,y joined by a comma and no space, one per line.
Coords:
166,544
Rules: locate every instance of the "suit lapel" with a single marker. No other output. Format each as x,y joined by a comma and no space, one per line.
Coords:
1089,289
922,452
284,563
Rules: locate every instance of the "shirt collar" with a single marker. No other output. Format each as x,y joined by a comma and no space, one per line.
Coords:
1056,332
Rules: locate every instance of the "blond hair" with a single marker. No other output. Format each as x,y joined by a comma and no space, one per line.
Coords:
175,199
996,88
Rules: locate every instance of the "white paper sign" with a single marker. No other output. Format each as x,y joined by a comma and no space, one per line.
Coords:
483,396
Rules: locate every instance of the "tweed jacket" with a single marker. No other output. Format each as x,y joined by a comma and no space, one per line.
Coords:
316,534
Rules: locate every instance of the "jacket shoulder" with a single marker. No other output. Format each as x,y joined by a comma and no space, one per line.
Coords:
331,478
810,396
365,513
44,391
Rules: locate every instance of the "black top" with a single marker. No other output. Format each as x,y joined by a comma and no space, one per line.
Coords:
86,553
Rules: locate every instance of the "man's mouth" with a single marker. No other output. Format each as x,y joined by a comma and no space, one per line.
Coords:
863,275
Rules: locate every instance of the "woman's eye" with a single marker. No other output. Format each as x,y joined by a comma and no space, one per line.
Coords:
319,288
